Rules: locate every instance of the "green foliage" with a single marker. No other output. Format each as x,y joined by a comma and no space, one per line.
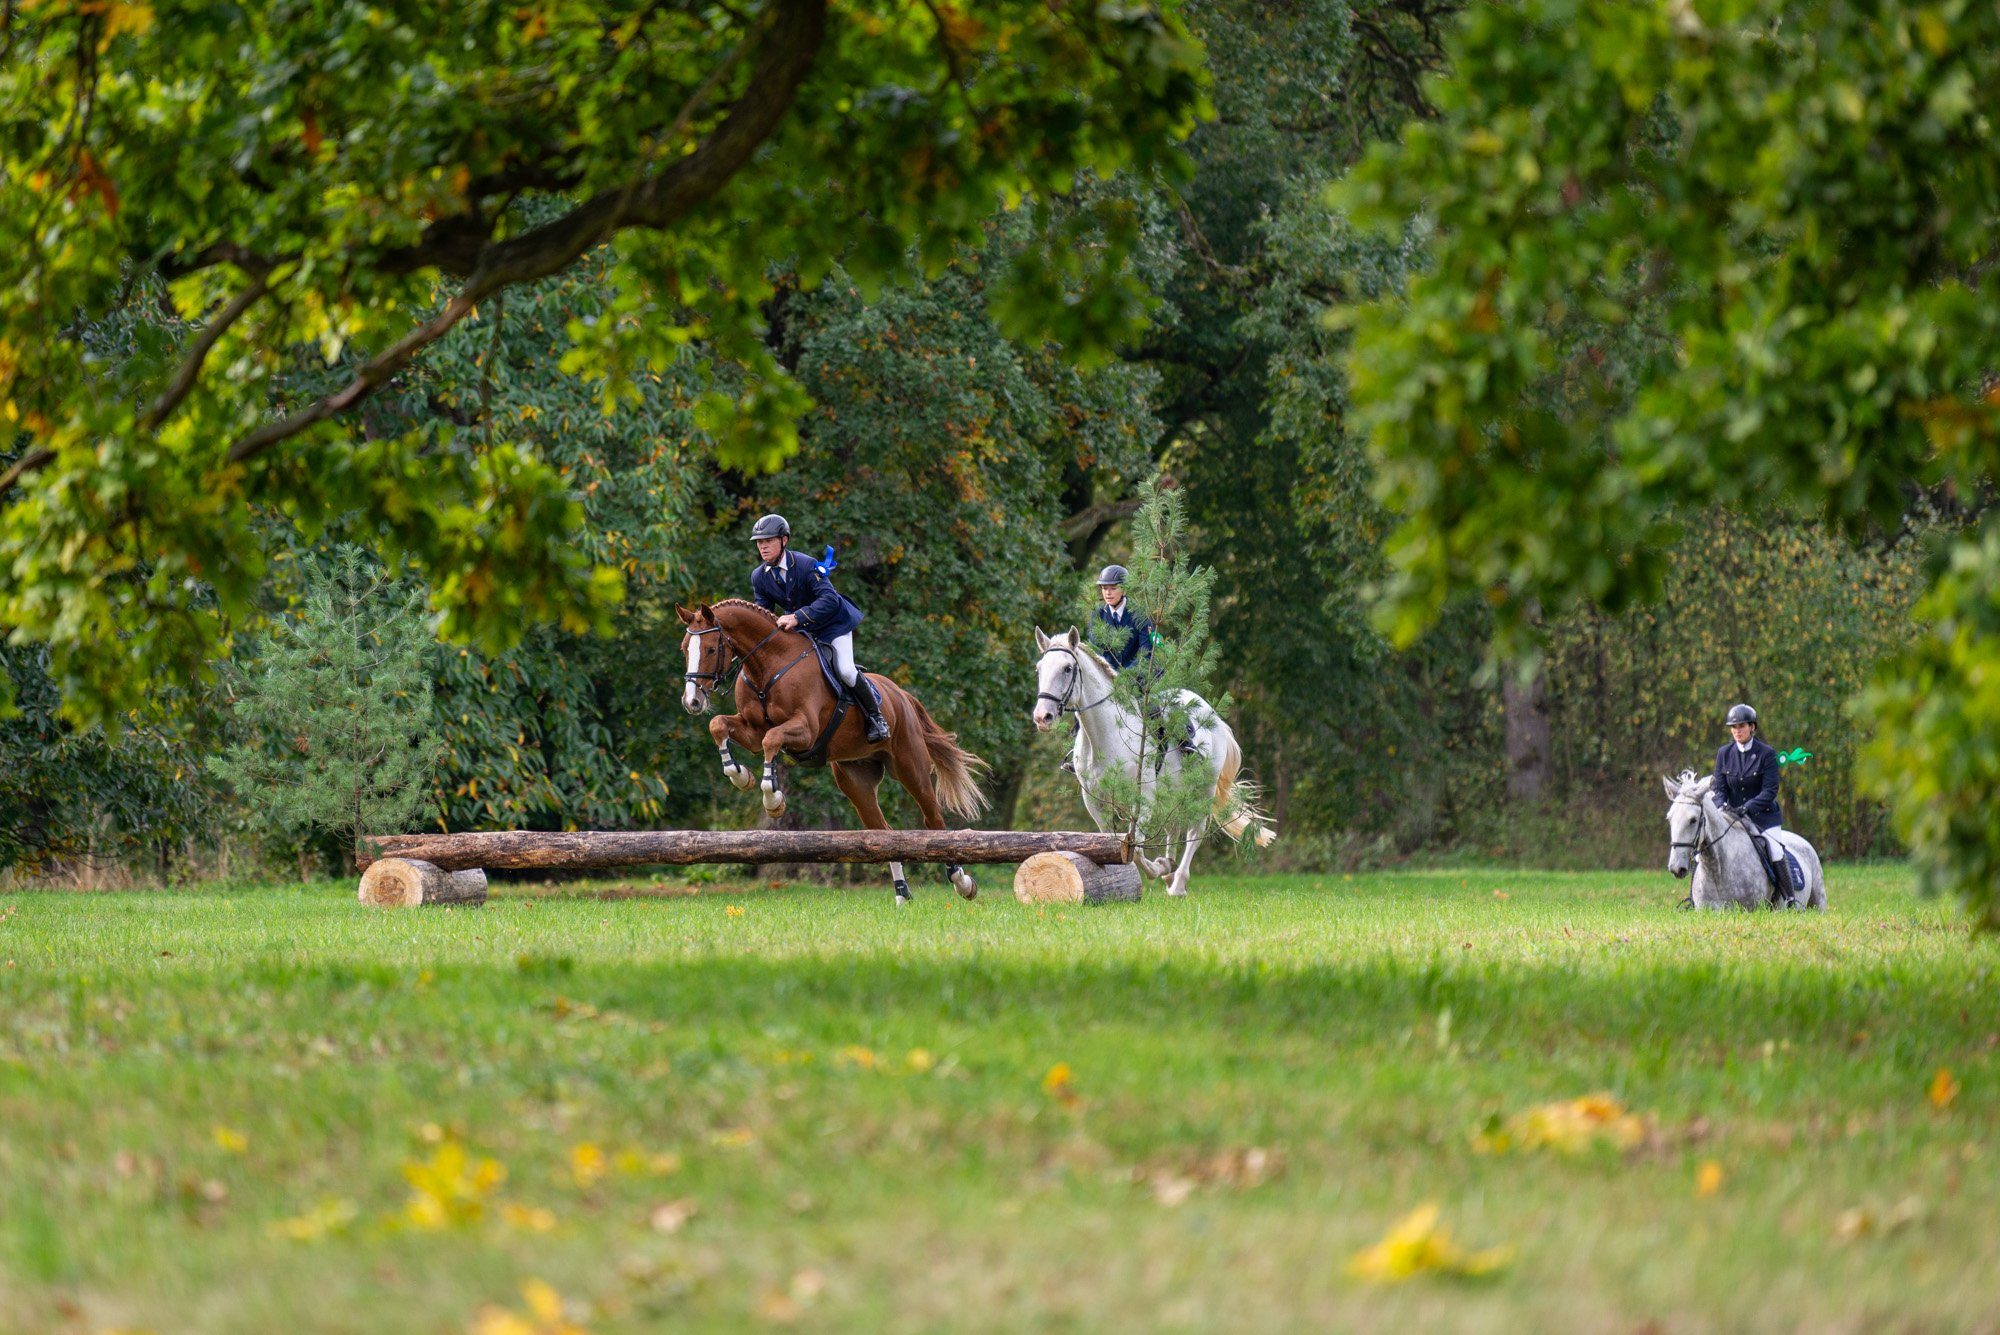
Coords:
1785,215
321,190
69,793
336,708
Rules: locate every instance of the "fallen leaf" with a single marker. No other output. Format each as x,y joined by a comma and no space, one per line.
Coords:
233,1141
1944,1088
1708,1178
1417,1245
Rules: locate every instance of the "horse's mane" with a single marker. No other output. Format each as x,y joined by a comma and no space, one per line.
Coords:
767,613
1096,656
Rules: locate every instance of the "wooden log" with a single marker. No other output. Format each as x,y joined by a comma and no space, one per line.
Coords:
579,850
1068,878
407,883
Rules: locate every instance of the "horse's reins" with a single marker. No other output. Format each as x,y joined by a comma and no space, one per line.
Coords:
1061,702
1708,844
743,657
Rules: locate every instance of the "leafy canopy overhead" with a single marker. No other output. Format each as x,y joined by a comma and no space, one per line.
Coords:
1801,201
192,196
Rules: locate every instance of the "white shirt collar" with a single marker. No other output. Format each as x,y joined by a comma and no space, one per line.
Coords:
1745,746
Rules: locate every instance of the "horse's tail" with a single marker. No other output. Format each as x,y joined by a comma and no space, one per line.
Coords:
1236,803
957,784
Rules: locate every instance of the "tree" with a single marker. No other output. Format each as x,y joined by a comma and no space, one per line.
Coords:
361,179
1783,217
337,710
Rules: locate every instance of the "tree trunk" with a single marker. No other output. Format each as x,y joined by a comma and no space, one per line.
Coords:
407,883
576,850
1068,878
1526,709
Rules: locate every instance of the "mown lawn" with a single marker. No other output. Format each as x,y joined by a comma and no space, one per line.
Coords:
862,1110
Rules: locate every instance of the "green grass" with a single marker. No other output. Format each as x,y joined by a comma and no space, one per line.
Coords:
1357,1030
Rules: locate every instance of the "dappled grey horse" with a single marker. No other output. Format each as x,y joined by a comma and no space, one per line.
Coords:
1728,863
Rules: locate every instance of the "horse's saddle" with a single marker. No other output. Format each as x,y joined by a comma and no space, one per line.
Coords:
815,756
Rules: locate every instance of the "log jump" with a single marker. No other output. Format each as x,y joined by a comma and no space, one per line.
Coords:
590,850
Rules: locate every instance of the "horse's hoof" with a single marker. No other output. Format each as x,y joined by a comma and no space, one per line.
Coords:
774,803
967,887
902,893
1177,891
739,776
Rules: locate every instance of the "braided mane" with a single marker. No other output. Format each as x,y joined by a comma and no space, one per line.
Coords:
768,614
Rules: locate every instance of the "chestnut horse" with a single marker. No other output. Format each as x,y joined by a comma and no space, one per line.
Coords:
784,705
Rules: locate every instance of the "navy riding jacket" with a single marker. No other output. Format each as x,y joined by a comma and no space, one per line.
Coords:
1121,639
823,612
1749,779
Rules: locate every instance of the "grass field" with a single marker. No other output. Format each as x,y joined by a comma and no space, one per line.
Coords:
271,1110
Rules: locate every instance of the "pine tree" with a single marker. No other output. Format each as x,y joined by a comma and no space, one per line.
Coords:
336,709
1174,595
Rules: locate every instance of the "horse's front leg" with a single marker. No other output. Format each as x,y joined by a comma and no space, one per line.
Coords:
791,735
1189,843
727,728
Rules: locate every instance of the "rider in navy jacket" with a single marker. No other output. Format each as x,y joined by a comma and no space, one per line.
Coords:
792,583
1746,778
823,611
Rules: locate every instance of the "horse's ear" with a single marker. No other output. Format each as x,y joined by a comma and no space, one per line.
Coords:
706,611
1701,789
1072,637
687,617
1041,640
1673,789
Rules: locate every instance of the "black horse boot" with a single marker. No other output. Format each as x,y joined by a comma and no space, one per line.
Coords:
862,692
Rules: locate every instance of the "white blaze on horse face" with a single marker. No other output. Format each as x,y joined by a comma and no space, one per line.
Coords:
1051,677
692,698
1683,829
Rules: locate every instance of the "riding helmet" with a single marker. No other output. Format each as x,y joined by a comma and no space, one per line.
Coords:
1111,575
1741,714
771,526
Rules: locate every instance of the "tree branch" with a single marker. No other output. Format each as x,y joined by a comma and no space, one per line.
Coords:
654,202
198,351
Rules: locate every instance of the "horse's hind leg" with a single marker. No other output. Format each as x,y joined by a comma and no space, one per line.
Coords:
858,779
910,763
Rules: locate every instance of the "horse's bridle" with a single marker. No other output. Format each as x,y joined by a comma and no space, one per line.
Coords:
1061,702
742,663
1706,843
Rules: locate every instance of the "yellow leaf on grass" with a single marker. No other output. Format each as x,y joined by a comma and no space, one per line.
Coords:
587,1165
1944,1088
1418,1245
545,1315
329,1216
232,1140
1060,1085
1708,1178
1570,1126
531,1218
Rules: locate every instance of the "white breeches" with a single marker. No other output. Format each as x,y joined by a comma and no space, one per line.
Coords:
1772,845
843,656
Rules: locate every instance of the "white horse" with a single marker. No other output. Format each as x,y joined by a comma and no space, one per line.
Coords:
1728,863
1072,677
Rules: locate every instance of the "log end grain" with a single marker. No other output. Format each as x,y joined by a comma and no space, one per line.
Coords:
1071,878
408,883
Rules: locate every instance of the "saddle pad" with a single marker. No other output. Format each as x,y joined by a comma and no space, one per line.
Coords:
827,670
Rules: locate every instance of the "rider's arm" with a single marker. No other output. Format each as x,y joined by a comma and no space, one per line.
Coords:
825,604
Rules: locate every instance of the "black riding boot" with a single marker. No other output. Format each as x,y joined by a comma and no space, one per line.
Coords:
862,692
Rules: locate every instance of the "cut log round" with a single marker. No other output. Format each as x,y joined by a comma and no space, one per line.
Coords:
1071,878
406,883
